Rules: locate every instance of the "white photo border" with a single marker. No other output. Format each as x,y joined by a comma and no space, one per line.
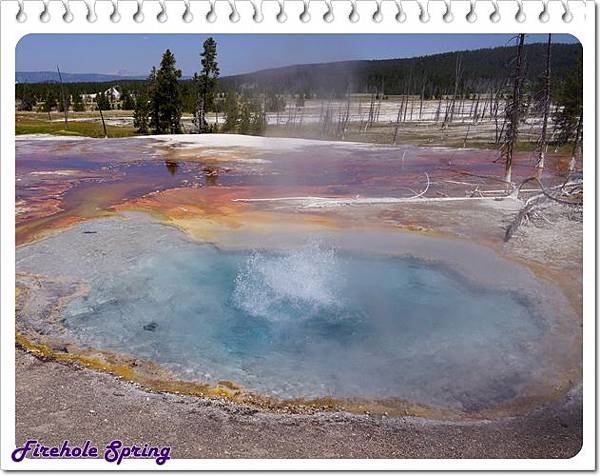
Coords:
582,27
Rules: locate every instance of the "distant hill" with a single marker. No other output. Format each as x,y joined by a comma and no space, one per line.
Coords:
37,77
481,68
52,77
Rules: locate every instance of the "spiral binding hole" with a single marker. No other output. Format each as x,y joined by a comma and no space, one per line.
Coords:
281,16
257,16
401,14
520,15
328,15
21,15
378,15
567,16
138,16
68,15
495,15
424,16
211,16
354,16
91,16
115,16
234,16
162,15
544,16
448,16
45,15
305,15
472,16
187,14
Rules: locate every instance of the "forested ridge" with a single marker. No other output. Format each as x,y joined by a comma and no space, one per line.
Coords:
394,76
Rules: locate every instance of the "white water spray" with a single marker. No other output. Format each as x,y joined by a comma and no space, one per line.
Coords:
306,278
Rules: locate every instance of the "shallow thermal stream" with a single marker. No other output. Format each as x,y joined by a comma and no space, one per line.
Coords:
313,320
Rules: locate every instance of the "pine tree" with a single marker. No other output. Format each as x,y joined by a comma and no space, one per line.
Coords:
569,98
66,103
206,83
246,112
275,102
49,103
78,104
141,113
153,122
128,101
570,113
231,111
258,122
27,100
166,100
102,102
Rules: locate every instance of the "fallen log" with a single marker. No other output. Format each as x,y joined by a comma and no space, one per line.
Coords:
539,199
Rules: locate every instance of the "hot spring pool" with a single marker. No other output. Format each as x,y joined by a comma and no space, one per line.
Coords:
314,320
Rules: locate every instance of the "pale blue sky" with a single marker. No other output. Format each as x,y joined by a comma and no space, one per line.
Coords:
136,54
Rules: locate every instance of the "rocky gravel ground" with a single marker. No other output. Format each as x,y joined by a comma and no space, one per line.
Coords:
57,402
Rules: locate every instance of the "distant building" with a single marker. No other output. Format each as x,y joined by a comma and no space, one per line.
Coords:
113,94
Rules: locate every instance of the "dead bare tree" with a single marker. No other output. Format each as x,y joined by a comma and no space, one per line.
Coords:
62,93
476,109
378,110
345,119
555,127
513,112
102,117
439,110
485,105
461,109
397,126
407,91
577,144
422,97
466,136
449,117
371,117
473,108
569,194
446,111
497,96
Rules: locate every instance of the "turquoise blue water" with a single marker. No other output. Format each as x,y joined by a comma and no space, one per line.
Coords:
315,321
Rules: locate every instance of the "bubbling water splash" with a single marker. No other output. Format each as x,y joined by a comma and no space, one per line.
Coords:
294,284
